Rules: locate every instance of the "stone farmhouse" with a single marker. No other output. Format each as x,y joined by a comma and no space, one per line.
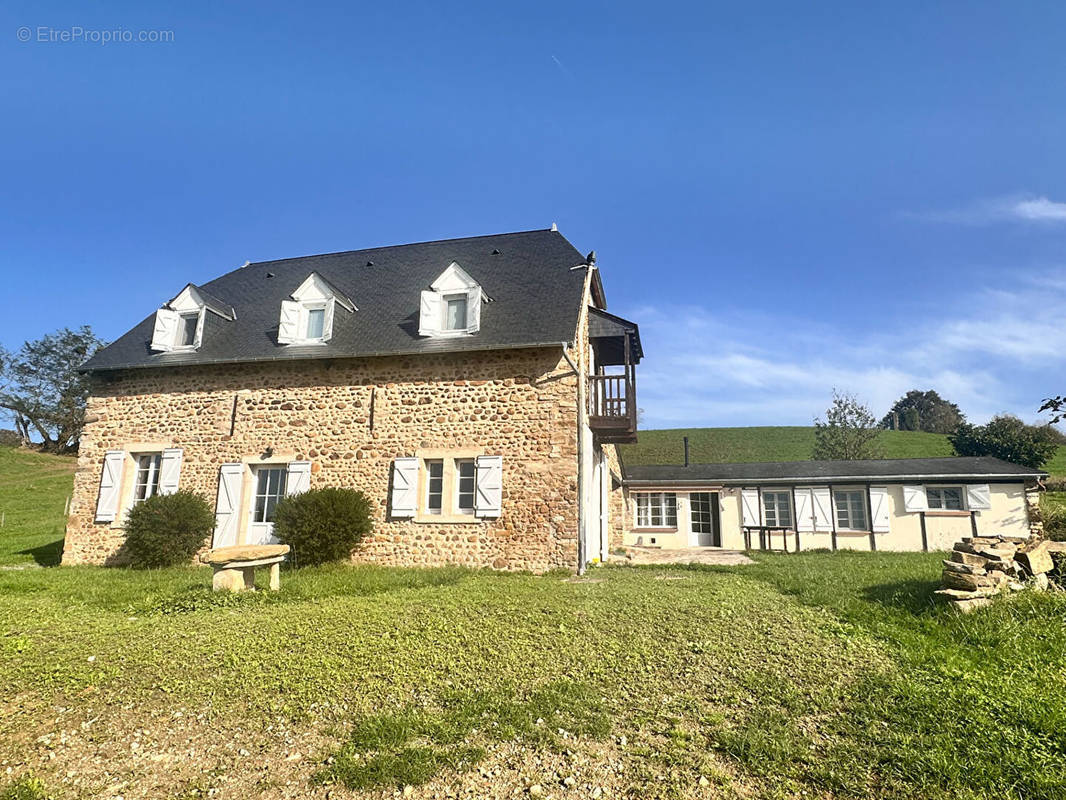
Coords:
476,390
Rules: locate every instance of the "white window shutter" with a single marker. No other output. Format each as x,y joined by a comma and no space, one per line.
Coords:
488,498
298,479
429,320
914,499
473,310
110,485
749,503
169,470
327,320
879,513
228,505
165,332
978,497
289,322
404,487
823,508
200,328
804,510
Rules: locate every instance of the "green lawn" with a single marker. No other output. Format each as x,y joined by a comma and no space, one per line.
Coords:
785,443
33,492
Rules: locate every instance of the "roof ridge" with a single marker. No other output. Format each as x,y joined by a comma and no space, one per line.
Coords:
397,246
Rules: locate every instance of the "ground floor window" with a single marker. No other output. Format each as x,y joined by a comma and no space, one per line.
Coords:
777,509
850,507
146,481
269,489
945,497
657,510
465,483
435,486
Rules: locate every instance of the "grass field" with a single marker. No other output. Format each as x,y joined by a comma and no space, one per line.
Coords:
725,445
824,674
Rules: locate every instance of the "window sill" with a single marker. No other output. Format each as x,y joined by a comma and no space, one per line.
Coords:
445,519
654,530
948,513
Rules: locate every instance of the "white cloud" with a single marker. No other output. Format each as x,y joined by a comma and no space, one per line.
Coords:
1014,208
1001,351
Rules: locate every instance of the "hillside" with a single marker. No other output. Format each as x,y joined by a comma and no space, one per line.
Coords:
33,491
795,443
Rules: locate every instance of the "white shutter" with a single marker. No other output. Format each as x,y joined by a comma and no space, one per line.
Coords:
298,479
749,504
473,310
804,510
879,509
200,328
165,332
110,485
914,498
404,487
228,505
823,508
429,320
488,498
289,322
978,497
327,320
169,470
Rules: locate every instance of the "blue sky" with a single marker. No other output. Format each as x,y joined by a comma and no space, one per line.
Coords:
788,197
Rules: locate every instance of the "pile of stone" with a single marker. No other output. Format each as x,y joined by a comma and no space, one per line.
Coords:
981,567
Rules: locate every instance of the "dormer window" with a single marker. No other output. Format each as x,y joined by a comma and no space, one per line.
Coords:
308,317
179,324
452,305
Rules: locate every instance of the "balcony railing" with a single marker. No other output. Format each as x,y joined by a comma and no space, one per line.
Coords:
613,406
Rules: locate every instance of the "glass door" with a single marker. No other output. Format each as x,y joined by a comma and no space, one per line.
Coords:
705,529
269,489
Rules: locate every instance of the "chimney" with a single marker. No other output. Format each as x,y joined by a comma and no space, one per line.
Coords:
686,450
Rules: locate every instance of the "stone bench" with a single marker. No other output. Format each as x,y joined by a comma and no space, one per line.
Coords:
235,566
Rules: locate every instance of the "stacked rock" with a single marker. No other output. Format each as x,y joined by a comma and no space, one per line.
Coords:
981,567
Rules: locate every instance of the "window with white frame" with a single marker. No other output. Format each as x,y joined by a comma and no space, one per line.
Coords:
188,325
269,489
946,498
777,509
451,306
465,485
435,486
656,510
850,506
146,478
307,317
455,312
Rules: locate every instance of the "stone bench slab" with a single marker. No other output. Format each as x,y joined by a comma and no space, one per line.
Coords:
235,566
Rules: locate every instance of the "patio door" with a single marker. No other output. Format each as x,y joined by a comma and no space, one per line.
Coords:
704,511
269,489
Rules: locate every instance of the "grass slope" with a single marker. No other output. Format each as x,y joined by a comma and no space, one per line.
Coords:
33,491
825,675
781,443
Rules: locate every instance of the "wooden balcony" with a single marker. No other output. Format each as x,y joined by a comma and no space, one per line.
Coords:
613,407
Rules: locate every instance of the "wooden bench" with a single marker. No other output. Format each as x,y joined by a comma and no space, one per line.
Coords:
235,566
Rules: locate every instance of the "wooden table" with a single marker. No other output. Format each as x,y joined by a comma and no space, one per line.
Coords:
235,566
766,536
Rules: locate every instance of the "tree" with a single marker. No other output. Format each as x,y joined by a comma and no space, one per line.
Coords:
40,387
849,431
1006,437
1057,407
923,411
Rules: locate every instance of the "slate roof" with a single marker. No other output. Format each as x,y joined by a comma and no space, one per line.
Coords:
886,470
535,300
602,324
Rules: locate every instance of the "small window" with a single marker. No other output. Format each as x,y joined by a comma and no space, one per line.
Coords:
146,481
187,325
851,510
777,509
657,510
316,323
434,487
269,489
455,313
465,480
946,498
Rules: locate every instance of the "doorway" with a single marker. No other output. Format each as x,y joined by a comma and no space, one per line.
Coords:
705,525
269,489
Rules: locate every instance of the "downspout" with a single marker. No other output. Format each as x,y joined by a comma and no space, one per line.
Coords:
582,556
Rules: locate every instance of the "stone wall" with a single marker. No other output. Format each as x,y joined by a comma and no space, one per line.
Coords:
351,418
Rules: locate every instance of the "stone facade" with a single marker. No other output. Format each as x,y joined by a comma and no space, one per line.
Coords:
351,418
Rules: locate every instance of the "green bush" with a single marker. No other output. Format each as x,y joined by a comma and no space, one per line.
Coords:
1055,523
26,788
322,524
168,529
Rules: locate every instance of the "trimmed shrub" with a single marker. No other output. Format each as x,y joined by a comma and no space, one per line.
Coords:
323,524
168,529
